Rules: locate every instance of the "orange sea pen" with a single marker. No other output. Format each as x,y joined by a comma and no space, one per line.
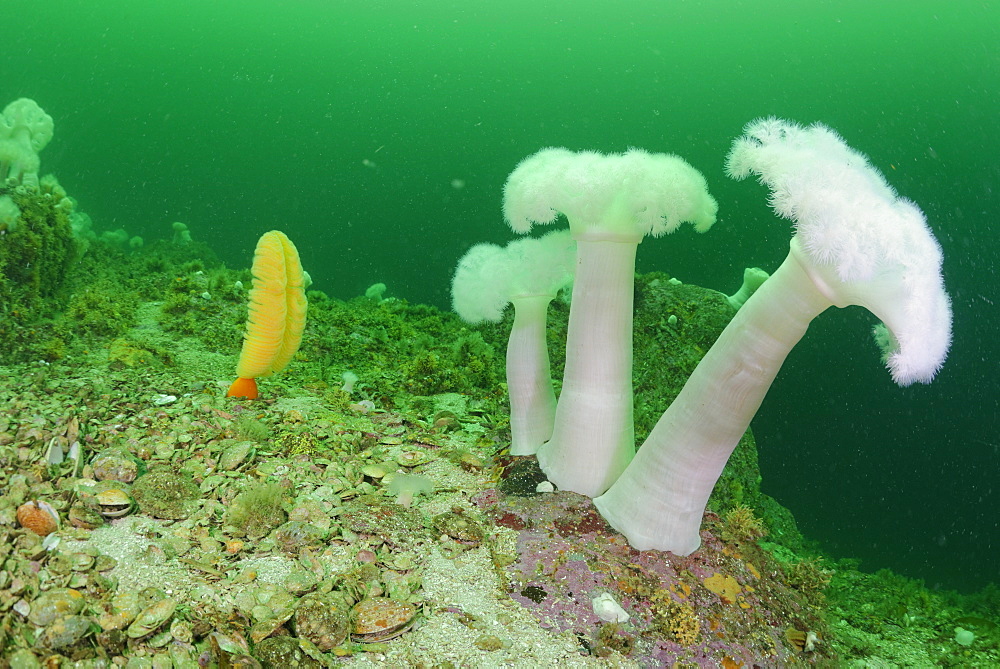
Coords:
277,313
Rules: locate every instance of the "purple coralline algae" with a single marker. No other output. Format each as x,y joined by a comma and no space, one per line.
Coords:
725,605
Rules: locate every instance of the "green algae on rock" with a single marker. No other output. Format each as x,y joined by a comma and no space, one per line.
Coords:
163,493
257,510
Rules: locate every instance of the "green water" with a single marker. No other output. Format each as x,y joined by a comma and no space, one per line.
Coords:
377,135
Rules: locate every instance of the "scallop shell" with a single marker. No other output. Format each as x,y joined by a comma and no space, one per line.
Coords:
471,462
54,604
236,455
381,619
82,516
105,563
60,563
265,627
66,631
39,517
114,503
82,561
459,527
182,631
296,535
286,651
115,465
124,608
323,621
152,618
374,471
412,458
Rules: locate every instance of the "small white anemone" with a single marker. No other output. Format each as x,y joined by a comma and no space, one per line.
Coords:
408,486
350,379
608,610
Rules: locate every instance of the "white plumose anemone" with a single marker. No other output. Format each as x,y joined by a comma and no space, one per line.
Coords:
856,242
611,203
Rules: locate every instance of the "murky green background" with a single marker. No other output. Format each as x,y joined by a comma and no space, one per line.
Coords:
378,135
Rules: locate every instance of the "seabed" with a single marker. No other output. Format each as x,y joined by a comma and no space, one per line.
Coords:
371,522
